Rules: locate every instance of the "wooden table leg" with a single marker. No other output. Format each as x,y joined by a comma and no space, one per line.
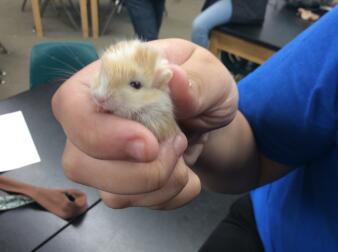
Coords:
95,18
37,18
84,18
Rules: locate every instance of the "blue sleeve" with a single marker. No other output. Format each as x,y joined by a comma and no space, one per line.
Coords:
291,100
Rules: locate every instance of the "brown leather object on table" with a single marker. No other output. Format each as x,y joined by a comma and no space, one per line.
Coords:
64,203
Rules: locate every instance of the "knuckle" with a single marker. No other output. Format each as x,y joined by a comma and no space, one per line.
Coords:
113,201
196,185
155,177
181,176
69,167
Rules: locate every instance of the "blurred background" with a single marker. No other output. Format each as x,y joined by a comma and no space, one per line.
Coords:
61,21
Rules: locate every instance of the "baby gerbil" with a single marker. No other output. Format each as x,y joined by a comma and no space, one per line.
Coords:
133,83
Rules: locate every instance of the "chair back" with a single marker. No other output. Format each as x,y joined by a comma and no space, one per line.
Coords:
57,61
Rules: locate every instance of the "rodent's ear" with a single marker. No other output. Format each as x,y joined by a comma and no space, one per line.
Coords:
162,77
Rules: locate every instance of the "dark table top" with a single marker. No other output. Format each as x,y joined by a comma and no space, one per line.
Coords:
100,229
281,25
139,229
23,229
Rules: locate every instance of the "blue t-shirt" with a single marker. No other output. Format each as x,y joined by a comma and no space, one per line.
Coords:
291,103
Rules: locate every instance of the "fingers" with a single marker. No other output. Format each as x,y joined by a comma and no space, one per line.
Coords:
177,181
163,199
189,192
176,51
200,80
204,91
100,135
195,148
182,94
123,177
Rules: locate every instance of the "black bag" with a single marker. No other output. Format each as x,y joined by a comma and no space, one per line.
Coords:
238,66
308,3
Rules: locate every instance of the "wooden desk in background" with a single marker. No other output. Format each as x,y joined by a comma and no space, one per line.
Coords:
38,22
257,43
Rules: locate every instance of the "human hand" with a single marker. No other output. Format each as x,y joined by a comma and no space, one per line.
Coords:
204,93
122,158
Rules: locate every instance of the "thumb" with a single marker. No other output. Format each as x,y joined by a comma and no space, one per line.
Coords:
203,92
183,93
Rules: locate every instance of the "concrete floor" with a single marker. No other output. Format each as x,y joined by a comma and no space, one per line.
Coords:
17,35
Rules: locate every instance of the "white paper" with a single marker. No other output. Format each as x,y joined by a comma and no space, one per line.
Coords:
17,148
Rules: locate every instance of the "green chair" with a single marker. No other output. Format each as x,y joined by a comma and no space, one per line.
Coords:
57,61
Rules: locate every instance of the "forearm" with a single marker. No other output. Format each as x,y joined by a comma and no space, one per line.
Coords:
230,161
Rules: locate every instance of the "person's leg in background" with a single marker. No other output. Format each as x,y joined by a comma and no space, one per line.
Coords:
143,17
158,6
237,232
218,13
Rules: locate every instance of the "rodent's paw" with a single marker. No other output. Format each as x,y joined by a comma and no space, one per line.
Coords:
162,76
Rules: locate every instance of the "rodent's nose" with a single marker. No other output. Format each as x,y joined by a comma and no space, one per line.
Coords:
100,99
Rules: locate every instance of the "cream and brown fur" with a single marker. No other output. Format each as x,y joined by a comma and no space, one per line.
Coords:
150,105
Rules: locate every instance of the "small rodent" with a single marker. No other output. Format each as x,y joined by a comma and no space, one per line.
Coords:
133,83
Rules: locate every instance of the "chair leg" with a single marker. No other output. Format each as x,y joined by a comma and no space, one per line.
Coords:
166,12
37,18
120,6
57,11
117,8
84,18
95,18
73,8
44,6
3,49
2,73
23,5
69,15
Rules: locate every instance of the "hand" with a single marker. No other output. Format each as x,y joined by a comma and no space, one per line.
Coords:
122,158
204,93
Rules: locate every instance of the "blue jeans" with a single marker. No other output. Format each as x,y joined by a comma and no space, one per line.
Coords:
146,17
218,13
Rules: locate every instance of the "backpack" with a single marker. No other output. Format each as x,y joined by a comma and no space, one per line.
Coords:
308,3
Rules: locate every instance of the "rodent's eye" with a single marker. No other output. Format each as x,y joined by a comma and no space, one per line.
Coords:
135,84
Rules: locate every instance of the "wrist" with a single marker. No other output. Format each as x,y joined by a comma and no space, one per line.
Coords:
229,162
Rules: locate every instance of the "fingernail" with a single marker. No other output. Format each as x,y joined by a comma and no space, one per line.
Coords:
190,83
180,144
171,74
136,149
